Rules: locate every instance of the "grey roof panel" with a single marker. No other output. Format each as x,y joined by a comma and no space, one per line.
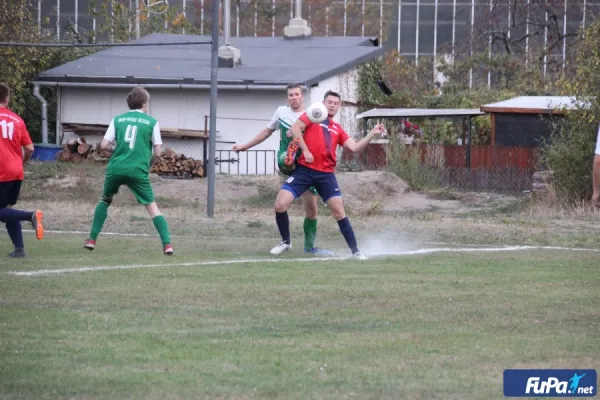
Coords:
264,60
546,103
419,112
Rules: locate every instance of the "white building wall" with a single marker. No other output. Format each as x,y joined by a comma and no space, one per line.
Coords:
240,116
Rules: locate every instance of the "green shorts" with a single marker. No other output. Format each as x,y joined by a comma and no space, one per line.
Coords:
287,171
139,186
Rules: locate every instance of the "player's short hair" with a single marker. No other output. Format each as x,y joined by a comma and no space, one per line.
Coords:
4,92
137,97
331,93
294,86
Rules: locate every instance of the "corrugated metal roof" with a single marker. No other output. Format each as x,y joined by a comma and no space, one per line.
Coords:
544,103
419,112
265,60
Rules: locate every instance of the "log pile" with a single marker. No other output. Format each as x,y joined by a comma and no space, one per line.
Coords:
178,165
542,184
168,164
77,150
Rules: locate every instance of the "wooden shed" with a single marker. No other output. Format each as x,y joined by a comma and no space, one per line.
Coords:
523,121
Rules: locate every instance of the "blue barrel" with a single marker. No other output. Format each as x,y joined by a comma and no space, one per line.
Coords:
46,152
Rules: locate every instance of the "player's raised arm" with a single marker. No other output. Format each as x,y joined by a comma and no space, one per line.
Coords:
109,136
263,135
355,147
297,129
157,140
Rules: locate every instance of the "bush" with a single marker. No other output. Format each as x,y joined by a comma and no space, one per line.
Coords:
569,154
405,162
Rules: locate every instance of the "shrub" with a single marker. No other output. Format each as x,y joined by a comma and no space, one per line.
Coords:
405,162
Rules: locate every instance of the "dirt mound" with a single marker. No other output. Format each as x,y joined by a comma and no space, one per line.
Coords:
381,192
371,192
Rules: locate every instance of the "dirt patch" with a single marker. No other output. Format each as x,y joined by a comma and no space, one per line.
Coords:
366,193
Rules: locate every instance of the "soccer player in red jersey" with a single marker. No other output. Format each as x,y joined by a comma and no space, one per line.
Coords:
316,167
14,137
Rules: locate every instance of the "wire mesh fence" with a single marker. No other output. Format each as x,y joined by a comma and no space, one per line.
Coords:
507,170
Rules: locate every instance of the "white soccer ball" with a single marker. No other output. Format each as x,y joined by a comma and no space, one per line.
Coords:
317,112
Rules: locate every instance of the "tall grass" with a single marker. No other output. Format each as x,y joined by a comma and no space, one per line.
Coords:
405,162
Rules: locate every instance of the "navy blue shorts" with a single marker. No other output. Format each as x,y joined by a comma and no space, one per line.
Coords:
9,193
303,177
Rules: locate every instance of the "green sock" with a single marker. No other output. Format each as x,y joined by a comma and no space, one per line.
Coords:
310,233
99,218
160,223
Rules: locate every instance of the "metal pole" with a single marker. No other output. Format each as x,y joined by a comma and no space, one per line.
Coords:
381,23
469,145
489,77
346,16
272,18
527,39
58,19
40,17
184,15
399,24
417,36
36,93
362,28
472,34
212,139
137,19
564,64
77,16
546,45
453,28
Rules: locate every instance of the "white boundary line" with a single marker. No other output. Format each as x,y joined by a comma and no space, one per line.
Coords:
42,272
75,232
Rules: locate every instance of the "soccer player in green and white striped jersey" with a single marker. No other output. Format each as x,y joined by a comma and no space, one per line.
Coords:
282,120
136,135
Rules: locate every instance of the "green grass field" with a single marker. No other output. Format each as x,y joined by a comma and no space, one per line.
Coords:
423,326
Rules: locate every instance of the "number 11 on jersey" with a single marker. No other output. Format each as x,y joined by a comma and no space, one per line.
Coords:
130,135
7,129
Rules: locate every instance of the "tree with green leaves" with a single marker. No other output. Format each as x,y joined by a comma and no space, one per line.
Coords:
569,152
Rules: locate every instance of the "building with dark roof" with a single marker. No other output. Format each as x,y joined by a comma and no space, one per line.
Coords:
92,89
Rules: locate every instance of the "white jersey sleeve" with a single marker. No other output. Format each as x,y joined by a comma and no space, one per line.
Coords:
110,134
598,143
274,122
156,138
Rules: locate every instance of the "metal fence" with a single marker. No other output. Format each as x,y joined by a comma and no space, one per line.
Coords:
250,162
507,170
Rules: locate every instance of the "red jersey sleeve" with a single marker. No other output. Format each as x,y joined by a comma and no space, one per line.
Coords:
25,138
304,118
342,137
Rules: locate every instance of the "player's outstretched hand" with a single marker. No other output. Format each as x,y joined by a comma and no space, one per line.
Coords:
237,148
379,128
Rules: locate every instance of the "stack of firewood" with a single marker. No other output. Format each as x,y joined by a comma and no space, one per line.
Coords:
173,164
77,150
169,163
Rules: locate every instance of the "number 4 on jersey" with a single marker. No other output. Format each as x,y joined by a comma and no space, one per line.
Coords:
130,135
7,129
